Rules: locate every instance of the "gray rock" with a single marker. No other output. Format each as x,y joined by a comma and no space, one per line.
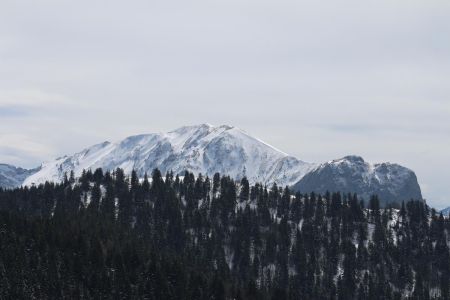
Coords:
351,174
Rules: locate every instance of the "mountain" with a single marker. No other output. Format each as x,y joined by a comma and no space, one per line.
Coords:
202,149
391,182
228,150
445,211
11,176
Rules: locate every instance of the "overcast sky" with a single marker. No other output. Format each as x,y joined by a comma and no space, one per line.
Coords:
317,79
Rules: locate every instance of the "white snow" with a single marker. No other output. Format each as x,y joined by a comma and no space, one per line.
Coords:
202,149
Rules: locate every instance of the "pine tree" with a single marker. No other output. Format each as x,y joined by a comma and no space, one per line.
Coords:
96,195
245,190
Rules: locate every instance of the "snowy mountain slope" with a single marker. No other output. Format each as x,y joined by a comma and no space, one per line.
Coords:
390,182
202,149
445,211
11,176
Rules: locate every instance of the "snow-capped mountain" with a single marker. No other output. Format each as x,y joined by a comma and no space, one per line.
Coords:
11,176
391,182
445,211
228,150
202,149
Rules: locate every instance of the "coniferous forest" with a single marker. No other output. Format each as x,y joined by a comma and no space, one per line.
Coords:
106,235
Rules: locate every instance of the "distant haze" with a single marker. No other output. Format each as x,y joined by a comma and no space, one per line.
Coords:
316,79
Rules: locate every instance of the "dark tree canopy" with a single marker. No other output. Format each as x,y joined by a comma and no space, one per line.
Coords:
107,235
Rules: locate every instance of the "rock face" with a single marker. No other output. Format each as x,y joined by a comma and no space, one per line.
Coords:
391,182
11,176
200,149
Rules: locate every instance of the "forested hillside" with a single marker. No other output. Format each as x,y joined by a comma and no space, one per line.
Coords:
107,236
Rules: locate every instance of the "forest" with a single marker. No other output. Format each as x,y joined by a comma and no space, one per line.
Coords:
107,235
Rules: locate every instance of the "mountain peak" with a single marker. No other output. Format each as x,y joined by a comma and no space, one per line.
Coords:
202,148
352,174
204,127
352,158
227,127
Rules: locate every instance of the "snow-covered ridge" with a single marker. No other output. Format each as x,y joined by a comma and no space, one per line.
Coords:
202,149
231,151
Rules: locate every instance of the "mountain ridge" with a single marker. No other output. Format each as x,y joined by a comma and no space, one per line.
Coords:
445,211
11,176
352,174
226,149
202,149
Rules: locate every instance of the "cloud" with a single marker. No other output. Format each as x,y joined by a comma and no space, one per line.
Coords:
12,112
22,150
30,98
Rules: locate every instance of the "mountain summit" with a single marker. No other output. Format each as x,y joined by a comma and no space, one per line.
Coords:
230,151
202,149
351,174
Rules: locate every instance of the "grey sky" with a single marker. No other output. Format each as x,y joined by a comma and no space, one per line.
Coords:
317,79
